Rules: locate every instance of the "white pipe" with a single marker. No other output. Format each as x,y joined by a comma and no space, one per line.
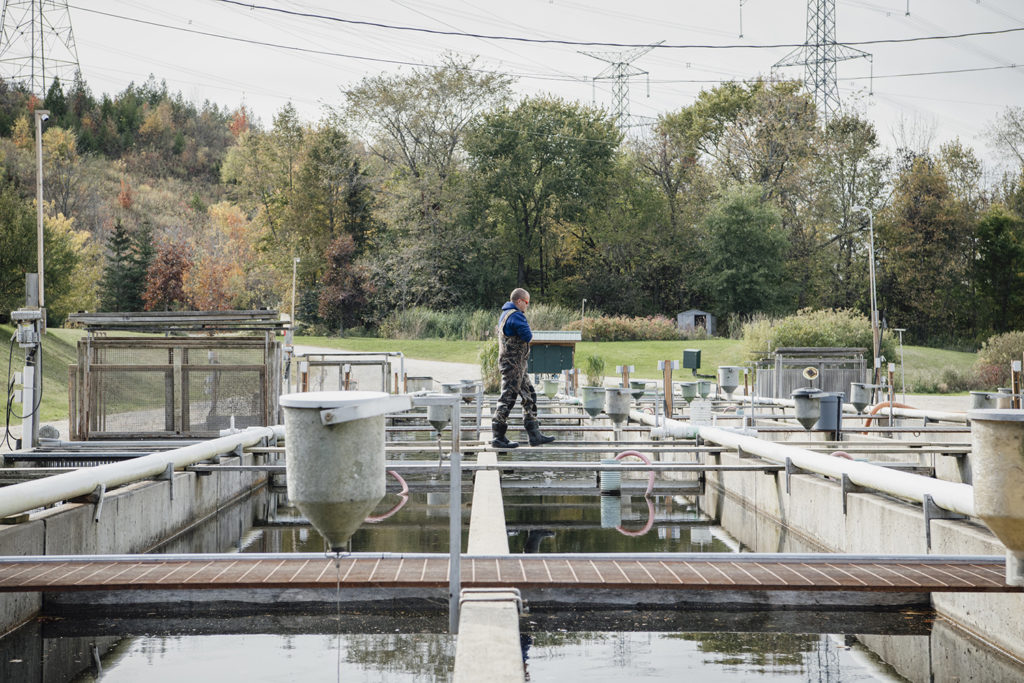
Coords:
29,495
946,494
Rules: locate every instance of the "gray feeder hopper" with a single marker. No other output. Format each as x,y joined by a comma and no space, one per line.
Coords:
439,415
616,405
637,387
550,387
860,395
729,378
593,400
830,408
704,387
689,390
334,453
1004,399
982,400
808,410
997,463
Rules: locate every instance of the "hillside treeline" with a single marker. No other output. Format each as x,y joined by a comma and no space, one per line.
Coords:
439,188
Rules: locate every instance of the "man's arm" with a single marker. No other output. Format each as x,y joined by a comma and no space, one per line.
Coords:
516,326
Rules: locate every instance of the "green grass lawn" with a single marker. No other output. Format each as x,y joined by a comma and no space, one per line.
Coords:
921,363
59,350
644,356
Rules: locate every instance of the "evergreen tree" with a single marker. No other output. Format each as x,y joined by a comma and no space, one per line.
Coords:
124,275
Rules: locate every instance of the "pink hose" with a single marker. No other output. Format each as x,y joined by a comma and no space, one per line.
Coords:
650,520
647,461
403,494
650,503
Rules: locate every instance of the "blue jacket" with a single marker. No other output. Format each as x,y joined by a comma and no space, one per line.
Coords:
516,325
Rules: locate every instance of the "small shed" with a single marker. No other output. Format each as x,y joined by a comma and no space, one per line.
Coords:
690,320
551,352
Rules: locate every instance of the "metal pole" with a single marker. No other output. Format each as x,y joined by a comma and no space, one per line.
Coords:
903,372
871,277
295,264
41,115
455,520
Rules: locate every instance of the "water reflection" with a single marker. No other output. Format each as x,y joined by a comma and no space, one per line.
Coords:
580,524
253,658
710,657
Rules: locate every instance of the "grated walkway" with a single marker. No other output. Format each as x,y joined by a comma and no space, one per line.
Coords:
739,572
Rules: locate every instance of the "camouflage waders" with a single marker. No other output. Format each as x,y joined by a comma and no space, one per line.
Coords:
513,353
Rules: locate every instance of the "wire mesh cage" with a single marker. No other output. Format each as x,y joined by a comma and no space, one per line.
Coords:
174,386
834,370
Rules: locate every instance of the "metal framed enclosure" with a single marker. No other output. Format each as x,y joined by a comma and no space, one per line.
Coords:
780,373
174,386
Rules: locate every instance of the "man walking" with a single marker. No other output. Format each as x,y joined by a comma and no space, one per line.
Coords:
514,337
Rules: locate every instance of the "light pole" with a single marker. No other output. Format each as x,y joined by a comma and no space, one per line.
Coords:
41,115
903,373
295,266
871,275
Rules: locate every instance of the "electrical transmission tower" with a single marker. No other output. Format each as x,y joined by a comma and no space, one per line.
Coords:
819,55
619,70
37,44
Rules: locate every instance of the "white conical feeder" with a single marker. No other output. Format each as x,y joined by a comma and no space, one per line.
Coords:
997,473
334,453
729,378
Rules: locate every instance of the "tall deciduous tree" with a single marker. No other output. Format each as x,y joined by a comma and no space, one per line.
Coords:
925,254
745,250
165,278
999,270
542,161
18,252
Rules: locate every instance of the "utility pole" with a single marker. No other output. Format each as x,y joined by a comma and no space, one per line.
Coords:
37,44
619,70
819,55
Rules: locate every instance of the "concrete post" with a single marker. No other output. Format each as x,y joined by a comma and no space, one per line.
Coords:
997,455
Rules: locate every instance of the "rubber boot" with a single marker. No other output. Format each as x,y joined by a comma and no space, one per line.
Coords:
536,438
499,441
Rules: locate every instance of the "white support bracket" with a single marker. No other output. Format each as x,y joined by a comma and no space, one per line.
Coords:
168,476
96,498
850,487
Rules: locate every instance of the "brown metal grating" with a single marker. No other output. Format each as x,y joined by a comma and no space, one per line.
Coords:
520,571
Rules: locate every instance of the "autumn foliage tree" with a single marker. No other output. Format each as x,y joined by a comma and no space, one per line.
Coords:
165,280
343,294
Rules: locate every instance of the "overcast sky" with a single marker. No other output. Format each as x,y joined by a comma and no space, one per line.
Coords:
114,50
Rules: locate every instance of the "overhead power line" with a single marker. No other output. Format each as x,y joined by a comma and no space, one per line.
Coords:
537,76
598,43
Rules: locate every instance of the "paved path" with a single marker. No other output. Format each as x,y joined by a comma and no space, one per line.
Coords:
441,371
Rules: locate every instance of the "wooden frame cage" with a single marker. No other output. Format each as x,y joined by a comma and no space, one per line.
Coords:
207,372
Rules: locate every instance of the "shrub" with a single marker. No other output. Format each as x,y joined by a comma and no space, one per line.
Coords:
549,317
944,381
844,328
489,371
625,328
481,325
995,355
593,368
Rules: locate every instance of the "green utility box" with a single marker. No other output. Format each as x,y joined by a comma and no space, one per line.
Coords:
691,359
551,352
